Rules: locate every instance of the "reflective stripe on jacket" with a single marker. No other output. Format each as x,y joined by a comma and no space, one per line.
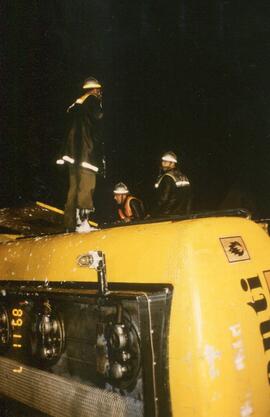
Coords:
83,147
180,179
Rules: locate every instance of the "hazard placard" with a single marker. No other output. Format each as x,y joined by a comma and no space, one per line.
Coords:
234,248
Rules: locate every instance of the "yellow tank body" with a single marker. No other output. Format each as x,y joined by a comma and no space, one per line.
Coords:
219,324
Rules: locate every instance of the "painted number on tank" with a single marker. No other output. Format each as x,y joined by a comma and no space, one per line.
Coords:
259,305
17,322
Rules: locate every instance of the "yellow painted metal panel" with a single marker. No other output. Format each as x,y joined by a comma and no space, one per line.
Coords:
219,343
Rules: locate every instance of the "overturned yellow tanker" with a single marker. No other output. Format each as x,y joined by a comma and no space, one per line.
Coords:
153,320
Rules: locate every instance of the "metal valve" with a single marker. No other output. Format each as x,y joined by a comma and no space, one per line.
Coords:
48,336
4,327
119,338
118,370
117,348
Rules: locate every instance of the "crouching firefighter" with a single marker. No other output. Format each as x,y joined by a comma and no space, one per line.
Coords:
129,207
80,151
172,188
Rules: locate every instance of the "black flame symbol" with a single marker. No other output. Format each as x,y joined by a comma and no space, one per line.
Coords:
236,248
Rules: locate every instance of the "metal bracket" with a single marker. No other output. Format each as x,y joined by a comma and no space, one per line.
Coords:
96,260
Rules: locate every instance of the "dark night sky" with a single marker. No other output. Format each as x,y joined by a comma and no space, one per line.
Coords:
190,76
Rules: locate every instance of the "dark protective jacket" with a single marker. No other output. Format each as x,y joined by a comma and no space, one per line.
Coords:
131,209
84,146
173,193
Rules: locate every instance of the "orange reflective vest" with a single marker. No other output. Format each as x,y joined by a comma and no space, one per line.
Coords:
126,211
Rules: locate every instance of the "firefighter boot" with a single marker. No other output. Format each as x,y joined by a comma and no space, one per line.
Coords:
82,217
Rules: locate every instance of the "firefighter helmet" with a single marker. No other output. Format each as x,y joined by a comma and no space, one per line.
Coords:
169,157
91,82
121,188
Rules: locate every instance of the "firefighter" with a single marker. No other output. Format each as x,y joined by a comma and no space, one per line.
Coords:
80,153
129,207
172,188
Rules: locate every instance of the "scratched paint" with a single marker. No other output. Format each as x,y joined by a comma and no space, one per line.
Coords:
238,347
246,409
211,354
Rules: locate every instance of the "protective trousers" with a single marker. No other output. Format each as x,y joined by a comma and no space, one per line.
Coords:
82,183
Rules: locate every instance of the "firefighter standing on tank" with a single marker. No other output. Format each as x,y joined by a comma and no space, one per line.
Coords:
172,188
129,207
80,151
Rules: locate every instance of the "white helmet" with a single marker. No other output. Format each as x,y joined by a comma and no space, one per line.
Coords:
91,82
169,157
121,188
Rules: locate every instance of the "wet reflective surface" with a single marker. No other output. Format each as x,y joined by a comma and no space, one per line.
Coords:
30,220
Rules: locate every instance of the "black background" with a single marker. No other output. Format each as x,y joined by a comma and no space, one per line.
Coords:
188,76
